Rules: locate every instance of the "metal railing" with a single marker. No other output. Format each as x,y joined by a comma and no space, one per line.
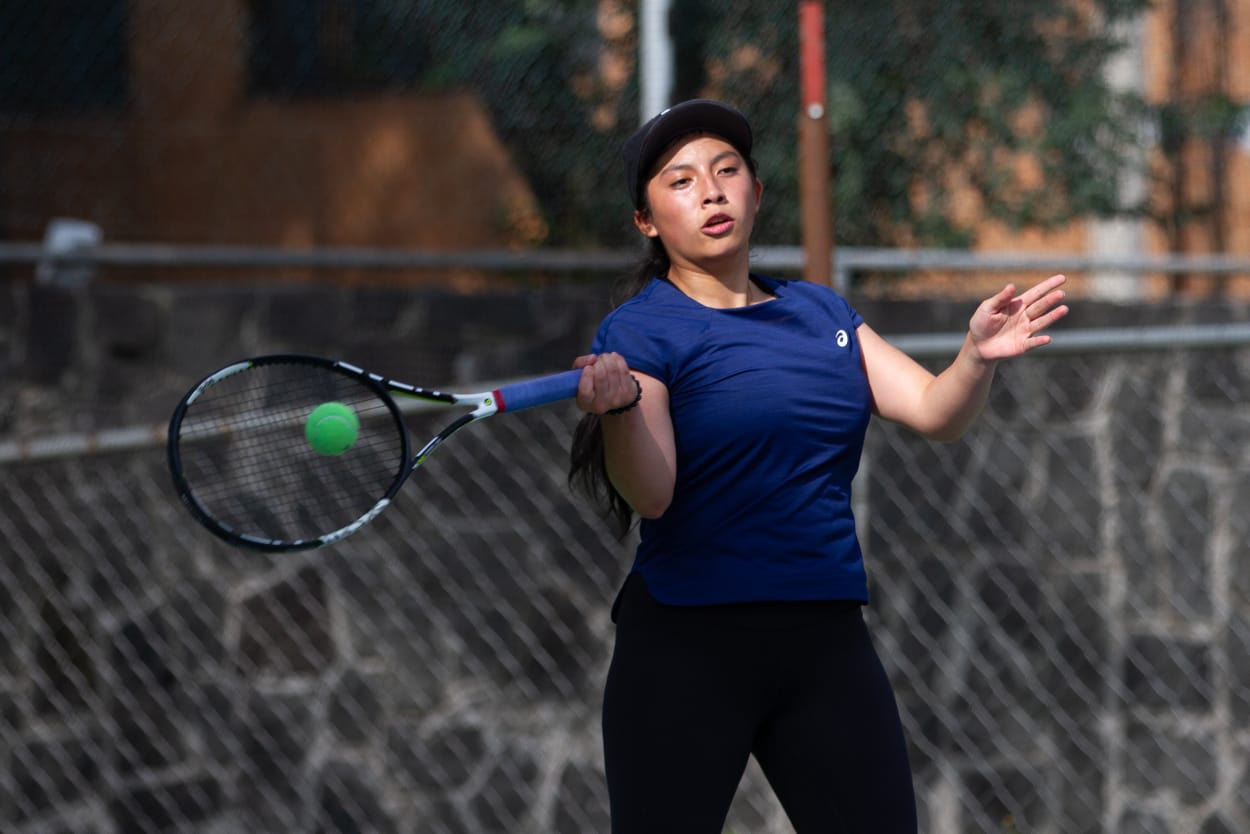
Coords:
847,261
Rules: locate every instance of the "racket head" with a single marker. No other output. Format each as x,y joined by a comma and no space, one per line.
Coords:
243,466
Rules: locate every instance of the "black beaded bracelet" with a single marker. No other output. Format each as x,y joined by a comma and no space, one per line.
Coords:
632,405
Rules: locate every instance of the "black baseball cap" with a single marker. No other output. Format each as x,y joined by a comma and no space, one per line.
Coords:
700,115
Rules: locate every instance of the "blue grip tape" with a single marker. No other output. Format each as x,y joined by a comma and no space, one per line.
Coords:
541,391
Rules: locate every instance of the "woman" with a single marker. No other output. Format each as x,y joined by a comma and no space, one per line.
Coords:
728,411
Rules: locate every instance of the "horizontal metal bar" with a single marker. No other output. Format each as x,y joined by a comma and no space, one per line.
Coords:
791,258
244,257
76,445
957,259
1115,340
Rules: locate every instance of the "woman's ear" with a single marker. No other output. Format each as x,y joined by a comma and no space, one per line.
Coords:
642,220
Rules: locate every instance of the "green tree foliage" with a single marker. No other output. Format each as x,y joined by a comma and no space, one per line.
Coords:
535,64
921,91
923,94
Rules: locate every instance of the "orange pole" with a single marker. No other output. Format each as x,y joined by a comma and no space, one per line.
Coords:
816,216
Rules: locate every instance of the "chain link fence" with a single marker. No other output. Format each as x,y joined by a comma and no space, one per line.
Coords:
364,122
1061,601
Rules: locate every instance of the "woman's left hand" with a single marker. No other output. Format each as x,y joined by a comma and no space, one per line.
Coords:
1008,325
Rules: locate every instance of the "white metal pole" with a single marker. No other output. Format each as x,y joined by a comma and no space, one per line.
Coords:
655,59
1124,236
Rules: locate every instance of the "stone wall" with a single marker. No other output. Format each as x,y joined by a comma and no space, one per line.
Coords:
1061,598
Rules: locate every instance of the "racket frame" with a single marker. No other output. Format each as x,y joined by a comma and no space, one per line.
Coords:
484,404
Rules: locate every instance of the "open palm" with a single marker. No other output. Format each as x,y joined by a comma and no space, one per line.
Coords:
1008,325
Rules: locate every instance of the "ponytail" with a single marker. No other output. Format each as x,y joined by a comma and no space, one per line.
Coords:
588,472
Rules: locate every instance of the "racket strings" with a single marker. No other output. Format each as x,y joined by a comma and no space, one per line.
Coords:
249,465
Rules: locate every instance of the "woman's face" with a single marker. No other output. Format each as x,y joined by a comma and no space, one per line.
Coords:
701,201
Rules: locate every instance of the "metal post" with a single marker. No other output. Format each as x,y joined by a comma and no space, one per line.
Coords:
655,59
816,219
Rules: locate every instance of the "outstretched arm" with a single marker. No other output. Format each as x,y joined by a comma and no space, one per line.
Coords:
942,407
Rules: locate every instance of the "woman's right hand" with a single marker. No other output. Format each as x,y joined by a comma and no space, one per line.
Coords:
606,383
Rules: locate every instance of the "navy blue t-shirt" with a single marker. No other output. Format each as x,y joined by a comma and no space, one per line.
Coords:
770,405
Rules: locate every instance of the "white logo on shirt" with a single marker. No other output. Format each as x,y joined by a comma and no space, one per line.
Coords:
842,338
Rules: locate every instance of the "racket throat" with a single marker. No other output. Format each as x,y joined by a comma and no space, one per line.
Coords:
437,440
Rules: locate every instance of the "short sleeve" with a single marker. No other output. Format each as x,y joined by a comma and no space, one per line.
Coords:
625,334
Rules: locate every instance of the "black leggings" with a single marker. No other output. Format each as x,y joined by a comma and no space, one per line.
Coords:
693,691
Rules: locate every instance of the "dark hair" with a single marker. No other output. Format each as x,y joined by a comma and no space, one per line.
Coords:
588,471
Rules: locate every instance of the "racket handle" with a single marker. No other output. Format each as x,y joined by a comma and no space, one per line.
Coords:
541,391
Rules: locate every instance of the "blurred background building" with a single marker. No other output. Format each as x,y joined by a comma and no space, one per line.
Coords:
1098,127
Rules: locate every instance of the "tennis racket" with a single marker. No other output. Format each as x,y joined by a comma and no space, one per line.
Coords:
256,466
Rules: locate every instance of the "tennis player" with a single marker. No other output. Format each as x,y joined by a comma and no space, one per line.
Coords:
728,410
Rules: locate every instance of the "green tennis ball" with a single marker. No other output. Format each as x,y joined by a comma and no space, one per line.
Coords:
331,428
